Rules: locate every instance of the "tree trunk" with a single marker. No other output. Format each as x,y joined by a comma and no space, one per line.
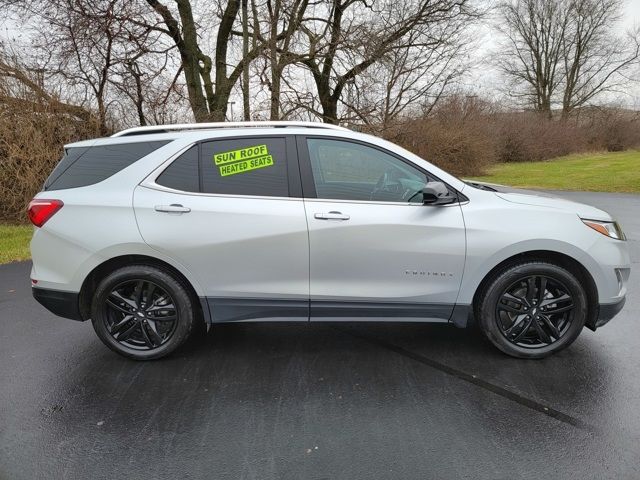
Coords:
220,104
275,92
223,84
329,110
102,117
545,107
276,71
186,41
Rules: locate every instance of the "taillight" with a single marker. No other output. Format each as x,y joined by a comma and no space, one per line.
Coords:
41,210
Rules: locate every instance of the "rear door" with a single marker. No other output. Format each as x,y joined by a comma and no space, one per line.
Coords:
230,211
376,252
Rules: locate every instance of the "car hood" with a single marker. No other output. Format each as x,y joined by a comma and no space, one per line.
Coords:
549,200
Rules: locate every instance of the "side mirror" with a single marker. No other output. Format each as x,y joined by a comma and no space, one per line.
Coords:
437,193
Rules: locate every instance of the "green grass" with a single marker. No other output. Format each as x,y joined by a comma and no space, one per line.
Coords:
14,242
595,172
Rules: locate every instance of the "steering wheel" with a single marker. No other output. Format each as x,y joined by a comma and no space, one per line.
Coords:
381,185
389,184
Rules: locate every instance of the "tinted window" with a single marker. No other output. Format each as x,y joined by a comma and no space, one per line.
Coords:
245,166
85,166
182,174
70,156
344,170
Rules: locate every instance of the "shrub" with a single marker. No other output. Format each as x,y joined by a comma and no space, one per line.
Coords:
613,130
528,136
31,144
456,136
464,135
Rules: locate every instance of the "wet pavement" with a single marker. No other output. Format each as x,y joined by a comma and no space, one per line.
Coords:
319,401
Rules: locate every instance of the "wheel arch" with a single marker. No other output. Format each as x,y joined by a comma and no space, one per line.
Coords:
548,256
99,272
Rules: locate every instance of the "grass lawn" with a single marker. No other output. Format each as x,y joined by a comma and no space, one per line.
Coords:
595,172
14,242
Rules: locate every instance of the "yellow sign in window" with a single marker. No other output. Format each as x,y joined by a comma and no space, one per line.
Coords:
243,160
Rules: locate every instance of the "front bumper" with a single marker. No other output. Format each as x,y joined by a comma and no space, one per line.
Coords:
63,304
606,311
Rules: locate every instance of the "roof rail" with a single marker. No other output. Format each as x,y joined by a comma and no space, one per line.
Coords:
207,126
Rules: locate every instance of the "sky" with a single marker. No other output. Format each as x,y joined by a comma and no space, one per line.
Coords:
632,13
485,80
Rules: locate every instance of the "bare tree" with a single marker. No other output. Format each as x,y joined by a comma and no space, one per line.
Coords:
564,52
145,70
535,30
406,81
22,86
79,39
98,53
209,81
284,20
595,60
355,34
145,85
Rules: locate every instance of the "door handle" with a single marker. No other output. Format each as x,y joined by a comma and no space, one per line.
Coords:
332,216
173,208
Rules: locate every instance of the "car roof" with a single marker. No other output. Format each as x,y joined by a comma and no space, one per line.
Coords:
198,131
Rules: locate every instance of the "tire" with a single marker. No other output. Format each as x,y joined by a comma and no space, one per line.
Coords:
533,309
128,324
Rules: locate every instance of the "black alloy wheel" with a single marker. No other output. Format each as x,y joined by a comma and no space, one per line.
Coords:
532,309
140,314
535,311
144,312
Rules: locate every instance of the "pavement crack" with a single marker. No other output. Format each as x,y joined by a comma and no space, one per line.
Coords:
475,380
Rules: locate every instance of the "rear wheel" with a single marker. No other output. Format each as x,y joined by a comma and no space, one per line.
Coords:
143,312
533,309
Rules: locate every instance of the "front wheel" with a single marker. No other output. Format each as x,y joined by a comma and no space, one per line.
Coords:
142,312
533,309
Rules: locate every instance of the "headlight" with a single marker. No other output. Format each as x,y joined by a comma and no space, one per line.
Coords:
610,229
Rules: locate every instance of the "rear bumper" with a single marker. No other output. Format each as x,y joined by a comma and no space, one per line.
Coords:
63,304
606,311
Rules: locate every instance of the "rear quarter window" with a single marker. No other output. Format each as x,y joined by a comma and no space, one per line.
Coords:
82,166
183,173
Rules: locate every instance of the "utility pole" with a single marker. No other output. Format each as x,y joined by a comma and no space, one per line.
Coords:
231,104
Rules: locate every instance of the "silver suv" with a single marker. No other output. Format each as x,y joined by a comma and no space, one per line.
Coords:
158,230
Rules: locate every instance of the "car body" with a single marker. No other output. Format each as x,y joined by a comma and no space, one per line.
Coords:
307,222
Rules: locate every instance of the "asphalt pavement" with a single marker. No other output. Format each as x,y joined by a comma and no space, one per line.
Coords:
319,401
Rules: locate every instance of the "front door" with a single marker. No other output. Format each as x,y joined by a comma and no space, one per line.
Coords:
376,252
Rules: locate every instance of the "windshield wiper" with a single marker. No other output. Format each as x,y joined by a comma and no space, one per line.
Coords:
481,186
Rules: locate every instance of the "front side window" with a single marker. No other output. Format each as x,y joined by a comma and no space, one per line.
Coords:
344,170
245,166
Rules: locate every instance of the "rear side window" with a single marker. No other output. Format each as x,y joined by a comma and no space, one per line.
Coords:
245,166
86,166
183,172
